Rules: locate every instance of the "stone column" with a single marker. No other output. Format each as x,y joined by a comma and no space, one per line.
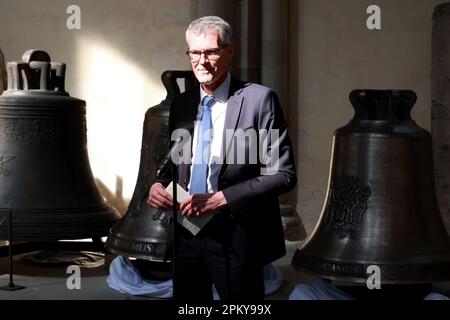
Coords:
260,33
244,17
221,8
440,110
248,40
275,48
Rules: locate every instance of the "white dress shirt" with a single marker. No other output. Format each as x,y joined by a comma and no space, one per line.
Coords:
218,112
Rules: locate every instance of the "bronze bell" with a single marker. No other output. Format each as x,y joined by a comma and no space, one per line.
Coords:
380,207
143,232
45,177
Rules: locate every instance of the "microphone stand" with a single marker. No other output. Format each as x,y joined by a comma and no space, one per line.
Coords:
168,164
11,286
174,221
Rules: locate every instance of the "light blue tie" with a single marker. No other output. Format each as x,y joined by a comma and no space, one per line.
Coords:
199,172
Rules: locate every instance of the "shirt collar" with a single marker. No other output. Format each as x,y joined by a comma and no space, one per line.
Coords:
222,91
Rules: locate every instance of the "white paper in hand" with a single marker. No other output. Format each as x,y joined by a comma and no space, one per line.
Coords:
193,224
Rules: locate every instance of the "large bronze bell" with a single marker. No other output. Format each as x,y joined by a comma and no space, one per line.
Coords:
45,176
381,206
143,231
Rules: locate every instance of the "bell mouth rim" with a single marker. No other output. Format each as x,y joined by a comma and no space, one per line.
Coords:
356,271
136,256
341,280
124,246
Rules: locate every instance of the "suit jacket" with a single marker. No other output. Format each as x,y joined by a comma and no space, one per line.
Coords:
251,223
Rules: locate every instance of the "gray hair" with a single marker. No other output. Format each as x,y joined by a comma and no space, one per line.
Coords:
200,25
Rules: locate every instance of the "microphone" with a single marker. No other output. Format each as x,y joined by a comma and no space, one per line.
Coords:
167,160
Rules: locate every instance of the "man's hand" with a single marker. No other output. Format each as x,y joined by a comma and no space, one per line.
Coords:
159,198
200,204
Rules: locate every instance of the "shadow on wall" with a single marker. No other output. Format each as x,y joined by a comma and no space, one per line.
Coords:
3,85
114,199
293,227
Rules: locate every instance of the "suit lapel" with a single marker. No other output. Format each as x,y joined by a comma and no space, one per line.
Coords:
234,107
232,115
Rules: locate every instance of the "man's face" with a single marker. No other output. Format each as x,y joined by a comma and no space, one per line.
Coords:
209,71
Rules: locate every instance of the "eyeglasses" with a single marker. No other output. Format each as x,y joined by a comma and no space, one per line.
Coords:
210,54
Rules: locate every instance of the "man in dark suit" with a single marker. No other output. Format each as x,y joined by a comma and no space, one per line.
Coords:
240,131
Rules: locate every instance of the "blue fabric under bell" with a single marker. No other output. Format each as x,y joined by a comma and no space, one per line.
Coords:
436,296
318,290
323,290
124,277
273,279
